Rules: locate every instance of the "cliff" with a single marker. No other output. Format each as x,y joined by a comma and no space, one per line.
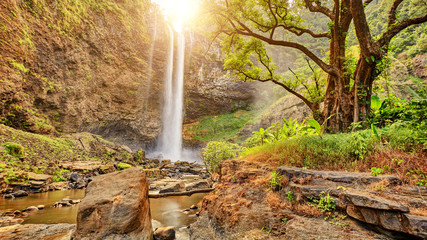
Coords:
98,66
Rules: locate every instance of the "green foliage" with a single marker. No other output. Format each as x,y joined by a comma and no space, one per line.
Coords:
390,110
14,149
412,114
376,171
289,129
140,156
221,127
263,134
325,203
290,196
13,176
59,179
284,220
123,166
40,151
108,154
19,66
360,143
274,180
419,177
215,152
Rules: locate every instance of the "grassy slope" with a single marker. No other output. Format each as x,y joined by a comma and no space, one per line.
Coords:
24,151
395,153
221,127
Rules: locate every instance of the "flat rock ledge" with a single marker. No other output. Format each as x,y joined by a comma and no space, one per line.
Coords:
387,209
61,231
245,206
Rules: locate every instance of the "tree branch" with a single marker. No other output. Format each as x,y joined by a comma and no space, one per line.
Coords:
395,29
300,31
392,13
248,32
366,3
363,32
314,6
316,80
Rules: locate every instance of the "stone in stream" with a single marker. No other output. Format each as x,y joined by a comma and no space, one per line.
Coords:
31,209
40,207
173,187
164,233
9,221
20,193
116,206
74,177
198,185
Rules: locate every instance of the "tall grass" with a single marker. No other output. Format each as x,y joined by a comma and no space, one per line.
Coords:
357,151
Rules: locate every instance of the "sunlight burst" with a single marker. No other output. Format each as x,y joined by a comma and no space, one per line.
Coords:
178,12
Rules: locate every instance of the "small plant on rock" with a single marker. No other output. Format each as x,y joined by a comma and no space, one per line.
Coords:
275,180
290,196
284,220
59,179
325,203
376,171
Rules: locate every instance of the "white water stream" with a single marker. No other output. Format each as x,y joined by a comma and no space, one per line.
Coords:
170,139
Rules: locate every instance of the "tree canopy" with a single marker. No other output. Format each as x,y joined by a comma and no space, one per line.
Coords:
252,31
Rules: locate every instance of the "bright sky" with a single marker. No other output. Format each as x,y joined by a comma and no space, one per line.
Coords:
178,12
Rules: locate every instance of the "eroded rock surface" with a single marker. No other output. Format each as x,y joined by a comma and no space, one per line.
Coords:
61,231
116,206
244,206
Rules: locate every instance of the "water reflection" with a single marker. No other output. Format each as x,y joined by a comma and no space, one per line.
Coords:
168,211
49,214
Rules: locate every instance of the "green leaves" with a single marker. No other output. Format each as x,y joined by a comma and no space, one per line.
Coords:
313,123
215,152
275,180
375,102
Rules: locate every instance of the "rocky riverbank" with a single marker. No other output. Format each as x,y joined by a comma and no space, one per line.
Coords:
253,202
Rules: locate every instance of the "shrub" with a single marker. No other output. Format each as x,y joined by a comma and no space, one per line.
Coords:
215,152
376,171
14,149
123,166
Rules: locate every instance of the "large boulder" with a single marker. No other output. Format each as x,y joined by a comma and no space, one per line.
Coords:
116,206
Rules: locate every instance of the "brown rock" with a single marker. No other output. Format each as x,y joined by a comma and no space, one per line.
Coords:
164,233
116,206
364,200
198,185
31,209
173,187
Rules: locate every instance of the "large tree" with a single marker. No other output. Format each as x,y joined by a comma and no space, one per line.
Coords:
250,26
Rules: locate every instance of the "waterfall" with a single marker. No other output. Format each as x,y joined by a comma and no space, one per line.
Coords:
170,139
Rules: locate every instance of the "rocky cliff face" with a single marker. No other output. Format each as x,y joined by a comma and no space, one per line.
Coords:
209,90
98,66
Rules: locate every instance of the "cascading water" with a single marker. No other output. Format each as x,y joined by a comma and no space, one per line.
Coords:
170,139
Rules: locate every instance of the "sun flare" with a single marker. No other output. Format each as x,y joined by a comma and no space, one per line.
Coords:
177,12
